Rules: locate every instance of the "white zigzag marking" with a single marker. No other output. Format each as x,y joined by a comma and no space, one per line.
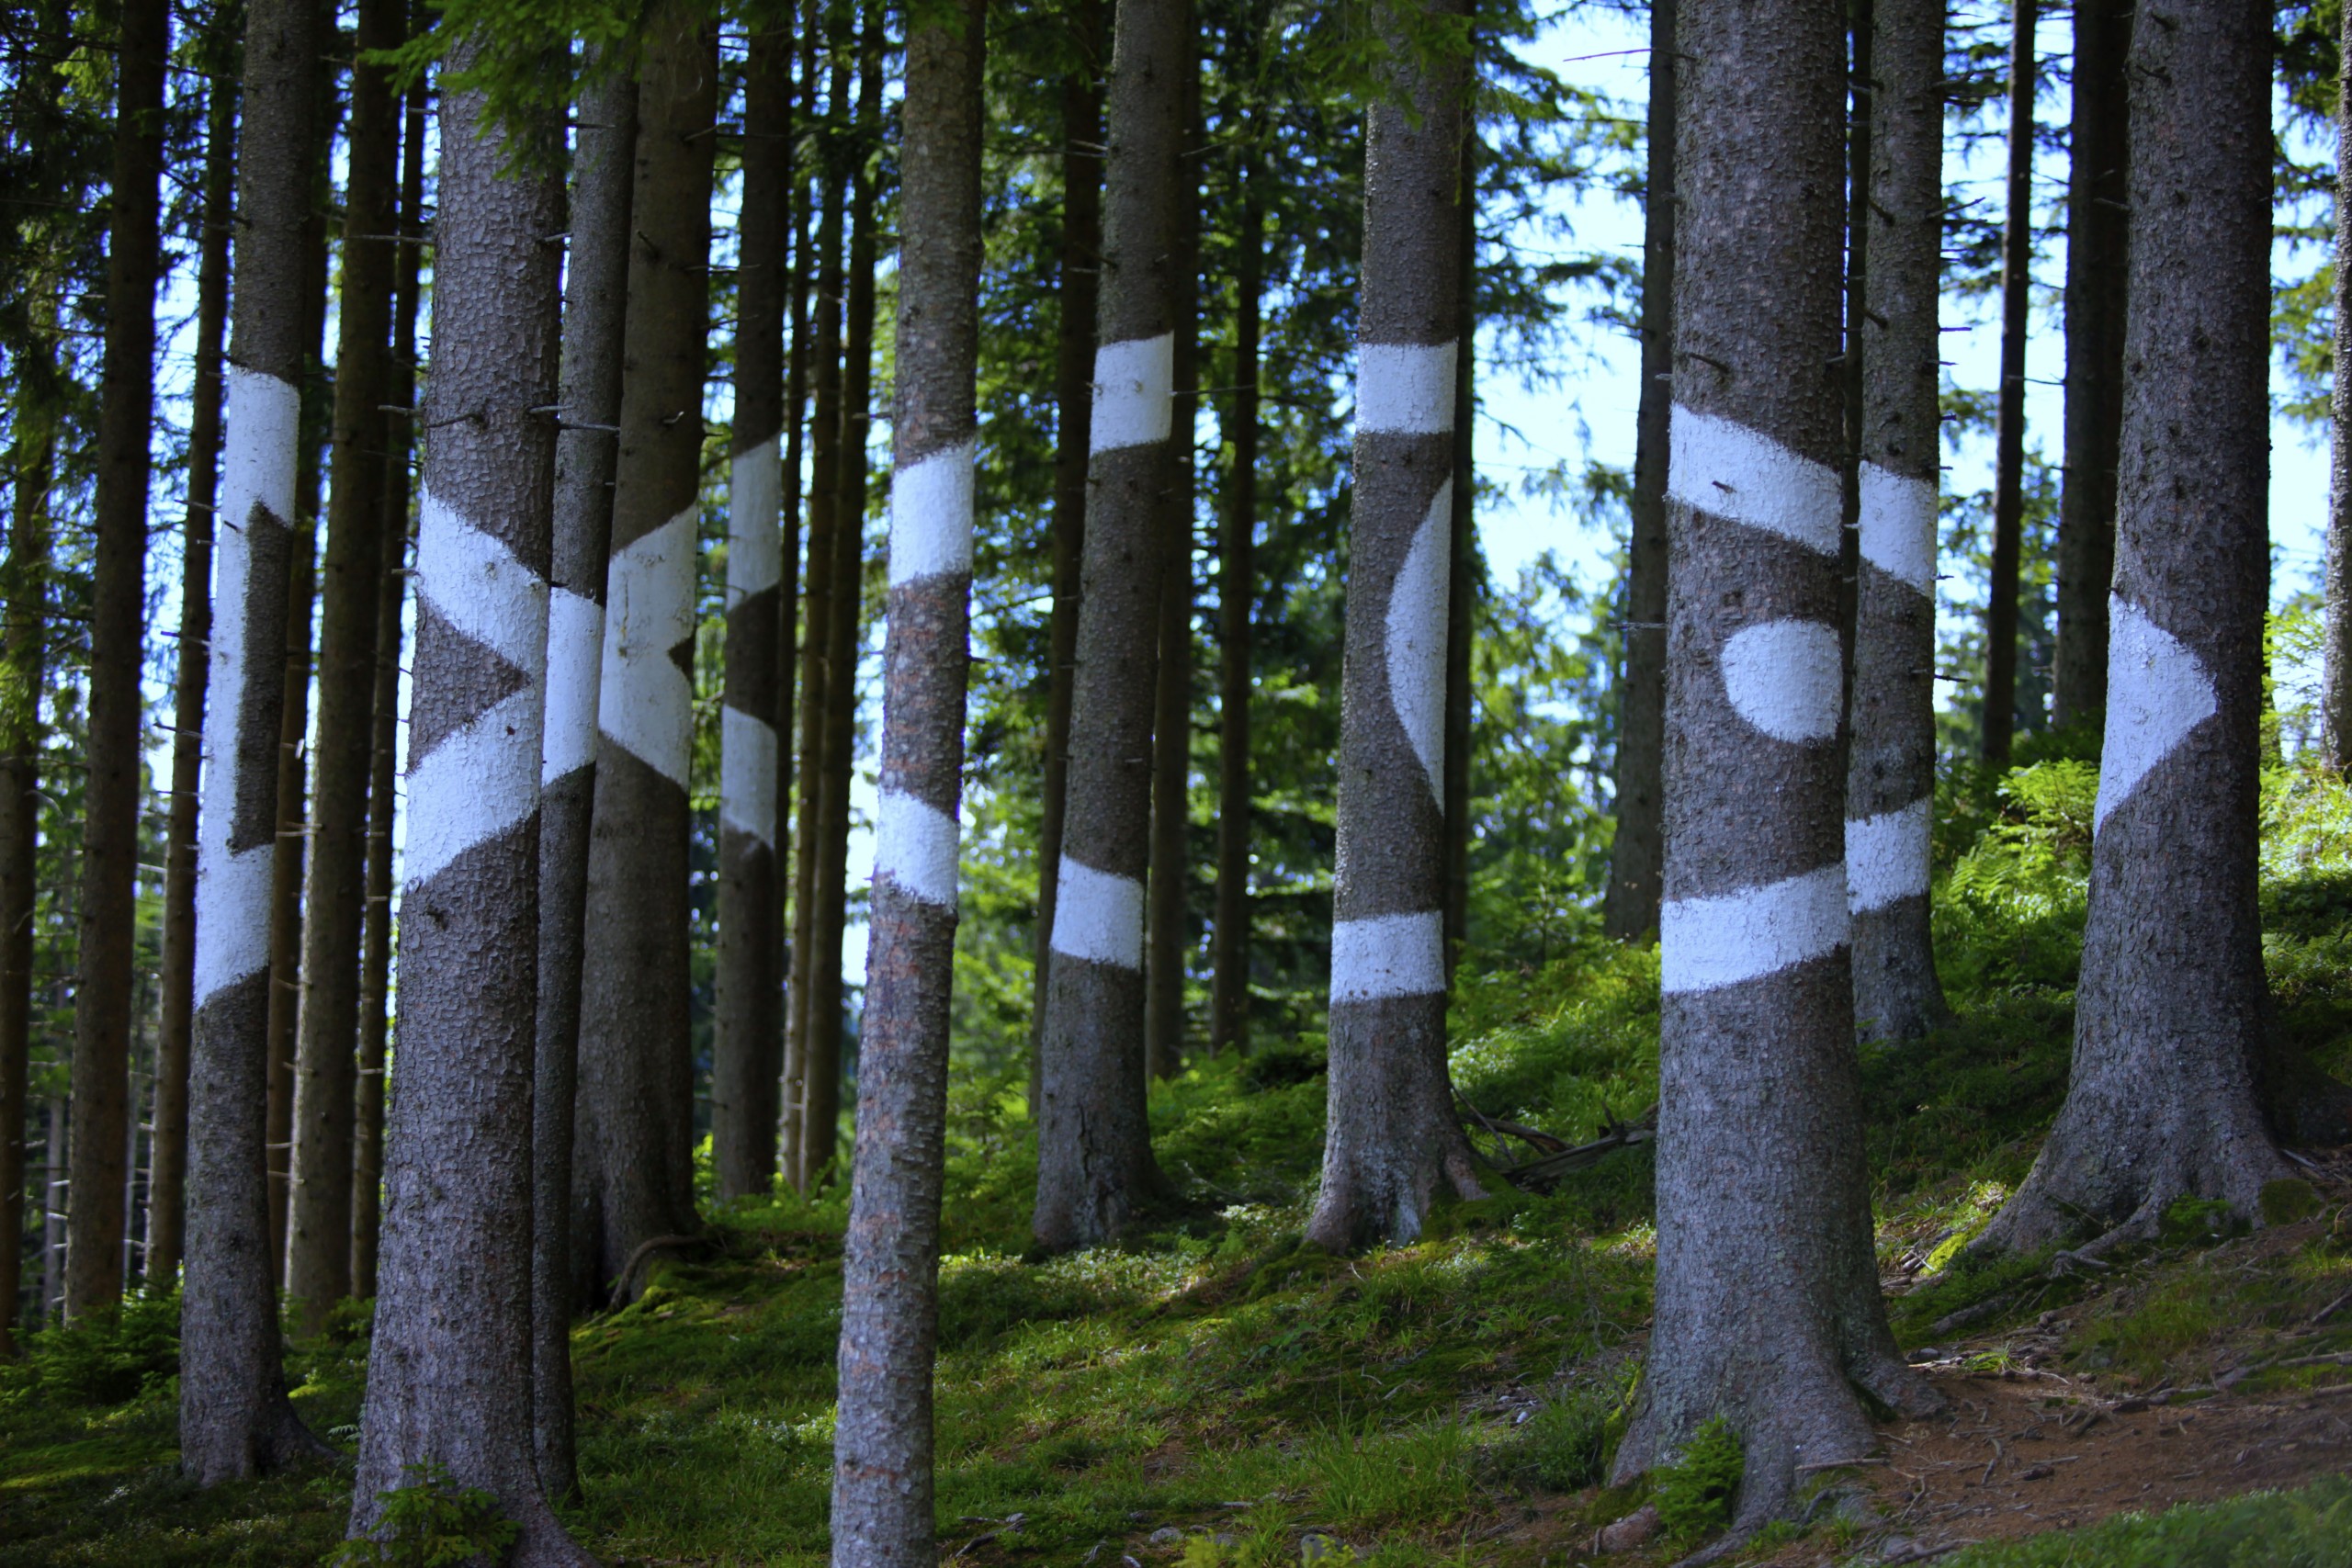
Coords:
1717,466
645,705
2157,691
747,774
1707,943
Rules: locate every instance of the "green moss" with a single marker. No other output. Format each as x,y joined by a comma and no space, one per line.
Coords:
2311,1529
2289,1199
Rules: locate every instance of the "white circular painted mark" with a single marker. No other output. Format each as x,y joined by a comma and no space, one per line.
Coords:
1786,679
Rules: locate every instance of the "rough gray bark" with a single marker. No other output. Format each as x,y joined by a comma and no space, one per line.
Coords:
235,1420
594,306
1769,1311
1094,1167
107,932
2098,283
21,657
318,1247
1394,1143
2168,1022
1236,577
747,1054
2009,437
456,1286
1891,771
1467,572
882,1513
633,1167
1078,291
2336,663
168,1162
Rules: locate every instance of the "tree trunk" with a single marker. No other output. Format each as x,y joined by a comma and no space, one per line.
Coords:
1237,579
167,1160
1891,773
2096,288
746,1058
2009,458
22,658
821,1085
785,1133
2335,663
457,1259
1393,1140
1637,858
1094,1167
1078,288
596,303
376,952
633,1176
318,1263
107,934
2168,1021
1769,1311
235,1420
1466,571
882,1513
1172,719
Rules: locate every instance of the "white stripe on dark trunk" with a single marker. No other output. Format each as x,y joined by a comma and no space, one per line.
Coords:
754,538
1887,857
2157,691
646,704
575,650
1415,643
915,846
747,767
1134,384
930,515
1898,527
1388,955
1717,466
1405,389
1098,916
1705,944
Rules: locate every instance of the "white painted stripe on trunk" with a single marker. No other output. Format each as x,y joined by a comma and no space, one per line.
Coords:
1726,469
1707,943
1097,916
915,846
1898,527
754,523
1786,678
262,414
575,650
478,586
1405,389
1414,635
747,774
930,515
2157,691
1388,955
645,703
1135,382
1887,857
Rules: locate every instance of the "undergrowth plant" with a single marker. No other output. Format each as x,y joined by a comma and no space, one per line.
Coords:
1694,1492
431,1523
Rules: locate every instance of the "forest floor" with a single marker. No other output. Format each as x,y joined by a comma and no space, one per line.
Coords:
1214,1395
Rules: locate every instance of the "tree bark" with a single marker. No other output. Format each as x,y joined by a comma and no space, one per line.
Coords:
1237,579
107,933
2336,662
376,950
2168,1021
633,1175
746,1057
1079,290
235,1420
1637,856
22,659
318,1262
1393,1143
2097,281
1769,1311
457,1256
2009,458
882,1513
1466,571
799,116
594,308
167,1161
1891,773
1095,1170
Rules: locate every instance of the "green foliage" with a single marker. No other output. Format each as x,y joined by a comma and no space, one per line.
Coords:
2288,1200
2311,1529
1694,1491
431,1523
1565,1446
101,1359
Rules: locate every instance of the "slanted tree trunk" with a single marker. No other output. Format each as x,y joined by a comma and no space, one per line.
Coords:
107,932
1769,1311
1237,578
1891,772
633,1172
2008,437
1637,856
596,305
318,1262
1094,1167
457,1256
1394,1143
2098,280
746,1057
2168,1020
375,951
882,1513
821,1088
22,666
235,1420
1077,289
2335,659
167,1158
